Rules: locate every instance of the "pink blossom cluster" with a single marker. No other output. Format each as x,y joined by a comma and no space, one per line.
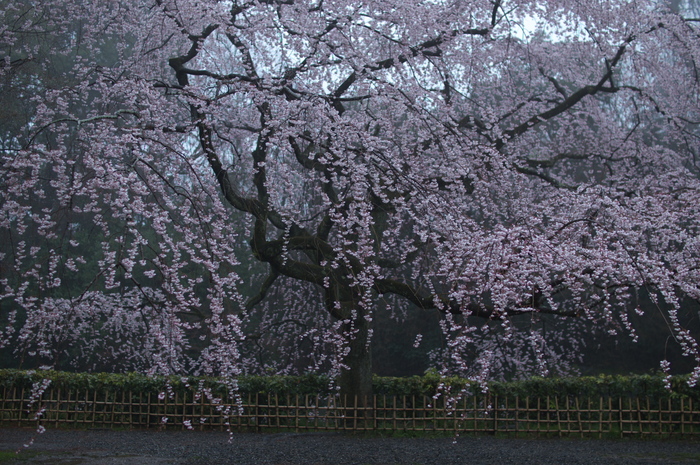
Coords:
487,160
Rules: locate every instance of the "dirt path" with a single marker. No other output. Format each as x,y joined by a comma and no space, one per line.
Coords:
99,447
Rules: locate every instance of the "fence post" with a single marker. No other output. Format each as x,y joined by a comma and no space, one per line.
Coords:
639,417
682,417
296,413
578,417
354,412
693,428
375,424
58,406
556,406
94,407
495,414
620,418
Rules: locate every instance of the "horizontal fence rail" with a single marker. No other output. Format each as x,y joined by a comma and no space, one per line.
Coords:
549,416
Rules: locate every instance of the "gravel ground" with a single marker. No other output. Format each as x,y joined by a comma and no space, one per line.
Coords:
98,447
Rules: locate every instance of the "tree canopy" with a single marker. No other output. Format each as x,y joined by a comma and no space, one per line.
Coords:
485,159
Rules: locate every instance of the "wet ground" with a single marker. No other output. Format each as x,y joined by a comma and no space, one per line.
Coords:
103,447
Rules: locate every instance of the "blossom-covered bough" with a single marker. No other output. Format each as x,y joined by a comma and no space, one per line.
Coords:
480,158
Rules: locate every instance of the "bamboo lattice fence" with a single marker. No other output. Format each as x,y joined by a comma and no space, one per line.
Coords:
600,417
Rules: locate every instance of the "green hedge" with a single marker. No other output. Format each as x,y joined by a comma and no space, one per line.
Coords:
589,386
136,382
427,385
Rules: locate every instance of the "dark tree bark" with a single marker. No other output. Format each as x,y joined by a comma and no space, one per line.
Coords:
356,380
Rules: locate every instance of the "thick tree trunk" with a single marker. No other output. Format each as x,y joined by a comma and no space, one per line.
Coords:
356,380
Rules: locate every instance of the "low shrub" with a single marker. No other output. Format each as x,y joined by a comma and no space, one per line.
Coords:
428,385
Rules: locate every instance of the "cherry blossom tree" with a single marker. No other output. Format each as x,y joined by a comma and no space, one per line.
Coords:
488,159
